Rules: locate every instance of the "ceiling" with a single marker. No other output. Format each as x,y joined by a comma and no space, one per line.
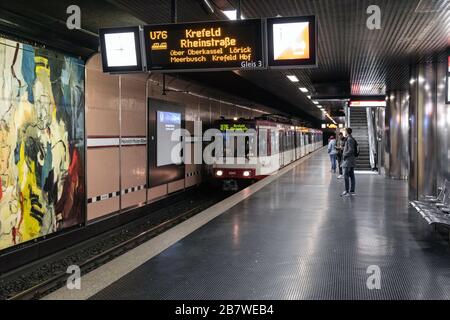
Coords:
352,60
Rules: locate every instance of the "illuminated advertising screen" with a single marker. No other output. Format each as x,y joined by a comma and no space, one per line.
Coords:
120,49
205,46
166,124
291,42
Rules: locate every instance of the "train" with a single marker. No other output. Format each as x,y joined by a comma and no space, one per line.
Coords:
273,143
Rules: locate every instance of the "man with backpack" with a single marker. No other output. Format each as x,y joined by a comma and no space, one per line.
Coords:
349,162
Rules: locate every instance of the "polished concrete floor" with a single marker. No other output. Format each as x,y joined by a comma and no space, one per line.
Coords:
297,239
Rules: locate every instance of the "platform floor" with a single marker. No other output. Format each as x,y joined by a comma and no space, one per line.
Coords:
297,239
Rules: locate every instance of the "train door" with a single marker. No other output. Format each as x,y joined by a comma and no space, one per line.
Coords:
291,145
306,143
310,137
281,147
275,148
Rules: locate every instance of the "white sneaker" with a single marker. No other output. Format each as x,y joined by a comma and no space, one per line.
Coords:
340,176
353,194
345,194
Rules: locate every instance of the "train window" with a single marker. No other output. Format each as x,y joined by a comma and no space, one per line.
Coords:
289,140
282,144
292,140
228,145
275,142
250,146
262,143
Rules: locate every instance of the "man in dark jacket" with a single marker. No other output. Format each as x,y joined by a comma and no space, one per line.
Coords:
349,163
340,149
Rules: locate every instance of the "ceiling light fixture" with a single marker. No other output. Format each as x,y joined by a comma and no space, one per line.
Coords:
293,78
315,102
209,5
232,14
304,90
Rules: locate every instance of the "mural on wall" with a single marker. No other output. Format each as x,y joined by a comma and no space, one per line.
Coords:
41,142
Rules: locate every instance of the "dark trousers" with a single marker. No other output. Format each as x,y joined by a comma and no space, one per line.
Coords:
339,159
349,176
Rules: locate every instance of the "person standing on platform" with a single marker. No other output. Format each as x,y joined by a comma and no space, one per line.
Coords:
340,149
333,153
349,163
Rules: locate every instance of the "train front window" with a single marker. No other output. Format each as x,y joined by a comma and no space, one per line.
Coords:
238,144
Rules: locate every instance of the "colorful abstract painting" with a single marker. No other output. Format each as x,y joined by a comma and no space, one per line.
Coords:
41,142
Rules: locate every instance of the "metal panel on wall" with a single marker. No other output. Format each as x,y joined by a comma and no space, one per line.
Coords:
397,137
429,128
404,134
443,125
426,121
413,132
395,134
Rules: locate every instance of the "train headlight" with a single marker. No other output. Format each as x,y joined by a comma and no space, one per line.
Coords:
246,173
219,173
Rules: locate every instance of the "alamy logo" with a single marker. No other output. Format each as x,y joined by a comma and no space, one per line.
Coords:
374,20
374,280
74,279
73,22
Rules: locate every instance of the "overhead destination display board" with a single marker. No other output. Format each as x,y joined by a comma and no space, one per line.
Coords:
205,46
121,49
367,103
292,42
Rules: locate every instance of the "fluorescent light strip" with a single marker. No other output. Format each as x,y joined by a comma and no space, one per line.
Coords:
293,78
209,5
304,90
232,14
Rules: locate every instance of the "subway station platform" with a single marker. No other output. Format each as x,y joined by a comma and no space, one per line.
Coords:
295,238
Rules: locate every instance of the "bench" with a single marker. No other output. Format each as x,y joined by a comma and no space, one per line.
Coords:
435,209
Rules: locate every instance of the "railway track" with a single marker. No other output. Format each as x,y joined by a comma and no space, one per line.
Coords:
132,237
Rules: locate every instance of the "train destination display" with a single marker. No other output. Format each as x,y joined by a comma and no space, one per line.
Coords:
205,46
291,42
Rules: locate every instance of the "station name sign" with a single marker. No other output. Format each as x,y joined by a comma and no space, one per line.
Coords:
287,42
205,45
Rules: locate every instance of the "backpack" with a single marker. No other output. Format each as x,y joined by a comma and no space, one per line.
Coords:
356,151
